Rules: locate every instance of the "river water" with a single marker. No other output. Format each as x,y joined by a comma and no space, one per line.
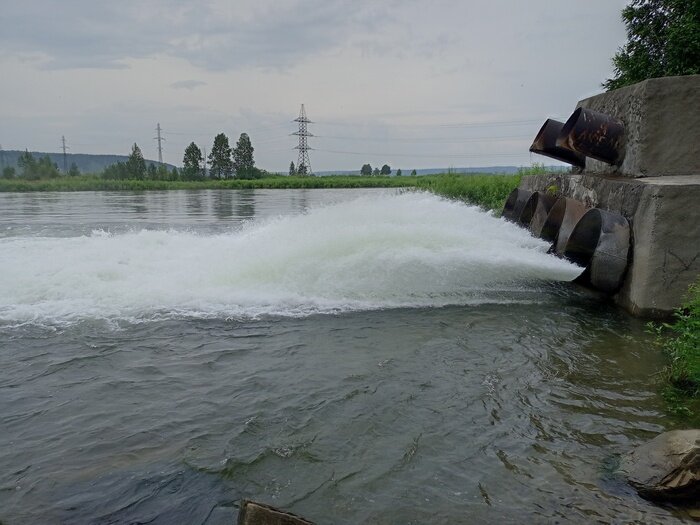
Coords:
354,356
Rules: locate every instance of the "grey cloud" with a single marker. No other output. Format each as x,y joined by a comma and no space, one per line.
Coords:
84,33
187,84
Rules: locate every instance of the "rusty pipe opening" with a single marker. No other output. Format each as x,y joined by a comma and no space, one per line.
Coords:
561,221
514,204
535,212
600,242
594,135
545,143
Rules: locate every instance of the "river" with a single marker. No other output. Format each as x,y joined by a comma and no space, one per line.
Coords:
354,356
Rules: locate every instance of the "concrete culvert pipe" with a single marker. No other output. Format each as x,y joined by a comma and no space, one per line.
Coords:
536,210
600,242
515,203
560,221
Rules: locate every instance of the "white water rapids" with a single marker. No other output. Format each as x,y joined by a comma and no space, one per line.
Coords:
386,251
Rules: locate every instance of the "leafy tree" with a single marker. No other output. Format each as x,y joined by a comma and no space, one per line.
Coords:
220,164
27,163
33,169
366,170
292,169
174,174
413,173
663,39
192,163
8,172
135,164
243,162
375,172
115,171
398,172
73,171
386,170
152,172
301,170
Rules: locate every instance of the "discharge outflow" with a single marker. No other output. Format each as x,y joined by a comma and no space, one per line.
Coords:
386,251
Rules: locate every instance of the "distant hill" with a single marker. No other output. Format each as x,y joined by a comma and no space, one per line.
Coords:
86,163
431,171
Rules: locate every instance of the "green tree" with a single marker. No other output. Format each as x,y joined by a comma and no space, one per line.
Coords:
375,172
413,173
386,170
73,171
135,164
152,172
398,172
292,169
366,170
192,163
301,170
663,39
27,163
243,163
8,172
174,174
220,164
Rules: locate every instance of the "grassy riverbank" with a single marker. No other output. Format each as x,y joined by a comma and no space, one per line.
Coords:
680,340
488,191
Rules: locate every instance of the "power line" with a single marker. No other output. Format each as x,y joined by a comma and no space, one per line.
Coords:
420,155
446,140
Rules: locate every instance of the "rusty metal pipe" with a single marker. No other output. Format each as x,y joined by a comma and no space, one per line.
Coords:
600,242
536,210
545,143
515,203
594,135
561,221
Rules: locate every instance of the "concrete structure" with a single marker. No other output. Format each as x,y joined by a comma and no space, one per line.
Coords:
662,127
656,188
664,213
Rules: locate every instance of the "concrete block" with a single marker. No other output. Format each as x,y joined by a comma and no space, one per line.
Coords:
662,127
662,212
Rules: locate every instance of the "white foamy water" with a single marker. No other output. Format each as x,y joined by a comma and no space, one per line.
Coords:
385,251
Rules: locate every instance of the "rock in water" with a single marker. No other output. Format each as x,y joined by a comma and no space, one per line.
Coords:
667,468
253,513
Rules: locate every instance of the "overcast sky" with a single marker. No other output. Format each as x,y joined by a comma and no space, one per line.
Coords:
414,84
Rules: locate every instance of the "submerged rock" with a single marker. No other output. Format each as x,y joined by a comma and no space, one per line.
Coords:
253,513
667,468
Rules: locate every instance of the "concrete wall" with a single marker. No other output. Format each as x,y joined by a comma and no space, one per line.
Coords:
662,127
663,215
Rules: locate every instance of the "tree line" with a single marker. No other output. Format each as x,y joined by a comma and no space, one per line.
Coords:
31,168
223,162
385,171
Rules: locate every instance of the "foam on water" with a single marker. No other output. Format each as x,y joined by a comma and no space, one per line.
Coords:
387,251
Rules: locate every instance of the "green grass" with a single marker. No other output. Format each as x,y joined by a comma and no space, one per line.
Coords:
683,345
95,183
680,341
488,191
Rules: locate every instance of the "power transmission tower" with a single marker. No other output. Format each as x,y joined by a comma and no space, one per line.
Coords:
160,139
65,159
303,164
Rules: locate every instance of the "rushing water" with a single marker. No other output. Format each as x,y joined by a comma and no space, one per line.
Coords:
350,355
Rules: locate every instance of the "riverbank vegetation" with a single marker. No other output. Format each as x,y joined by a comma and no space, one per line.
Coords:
485,190
680,340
